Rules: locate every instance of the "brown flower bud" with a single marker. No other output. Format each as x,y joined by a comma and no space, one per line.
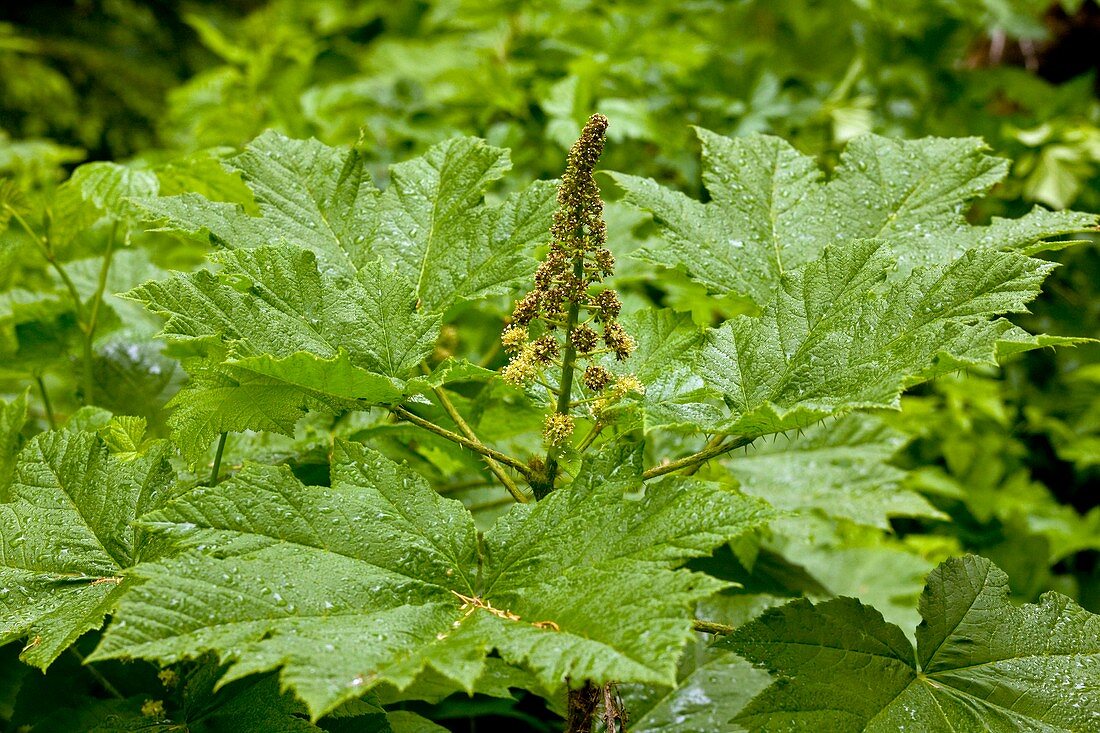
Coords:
617,340
545,349
608,304
584,339
596,378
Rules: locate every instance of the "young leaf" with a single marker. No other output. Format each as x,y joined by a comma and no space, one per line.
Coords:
290,576
981,663
66,535
772,211
835,338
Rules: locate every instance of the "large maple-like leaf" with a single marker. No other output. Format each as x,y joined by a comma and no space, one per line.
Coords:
430,225
378,578
981,663
270,335
67,533
772,210
837,336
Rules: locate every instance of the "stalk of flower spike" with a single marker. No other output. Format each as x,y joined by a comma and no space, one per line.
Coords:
561,315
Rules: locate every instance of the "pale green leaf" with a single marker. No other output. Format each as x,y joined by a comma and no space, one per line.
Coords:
981,663
290,576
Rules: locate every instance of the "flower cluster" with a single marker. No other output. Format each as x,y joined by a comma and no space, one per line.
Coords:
562,321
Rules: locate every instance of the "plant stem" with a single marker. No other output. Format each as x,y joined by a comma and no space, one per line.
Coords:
97,675
93,317
466,430
597,428
710,627
217,467
711,451
46,402
48,253
714,442
568,362
465,442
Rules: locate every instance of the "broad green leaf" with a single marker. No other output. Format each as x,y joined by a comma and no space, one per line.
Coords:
434,231
666,361
309,195
771,209
716,688
981,663
277,336
840,469
430,225
290,576
836,338
67,534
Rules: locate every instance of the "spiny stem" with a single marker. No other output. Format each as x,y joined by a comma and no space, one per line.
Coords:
217,467
714,442
711,627
466,430
465,442
105,683
46,402
711,451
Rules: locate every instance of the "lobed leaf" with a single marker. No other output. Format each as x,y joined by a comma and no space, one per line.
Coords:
378,579
981,663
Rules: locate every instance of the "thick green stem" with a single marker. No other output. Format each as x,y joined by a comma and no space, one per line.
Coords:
568,363
217,467
46,402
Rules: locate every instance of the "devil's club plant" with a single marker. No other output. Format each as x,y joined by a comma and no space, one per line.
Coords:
610,424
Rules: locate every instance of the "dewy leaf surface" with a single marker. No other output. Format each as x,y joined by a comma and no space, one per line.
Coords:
840,469
67,534
430,225
270,335
377,579
984,663
772,210
838,337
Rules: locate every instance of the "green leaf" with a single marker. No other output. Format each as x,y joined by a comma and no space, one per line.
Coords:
66,535
667,363
981,663
13,416
277,336
430,225
434,231
290,576
839,469
772,211
836,338
309,195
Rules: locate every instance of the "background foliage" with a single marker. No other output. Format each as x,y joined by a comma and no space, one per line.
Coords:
1002,462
